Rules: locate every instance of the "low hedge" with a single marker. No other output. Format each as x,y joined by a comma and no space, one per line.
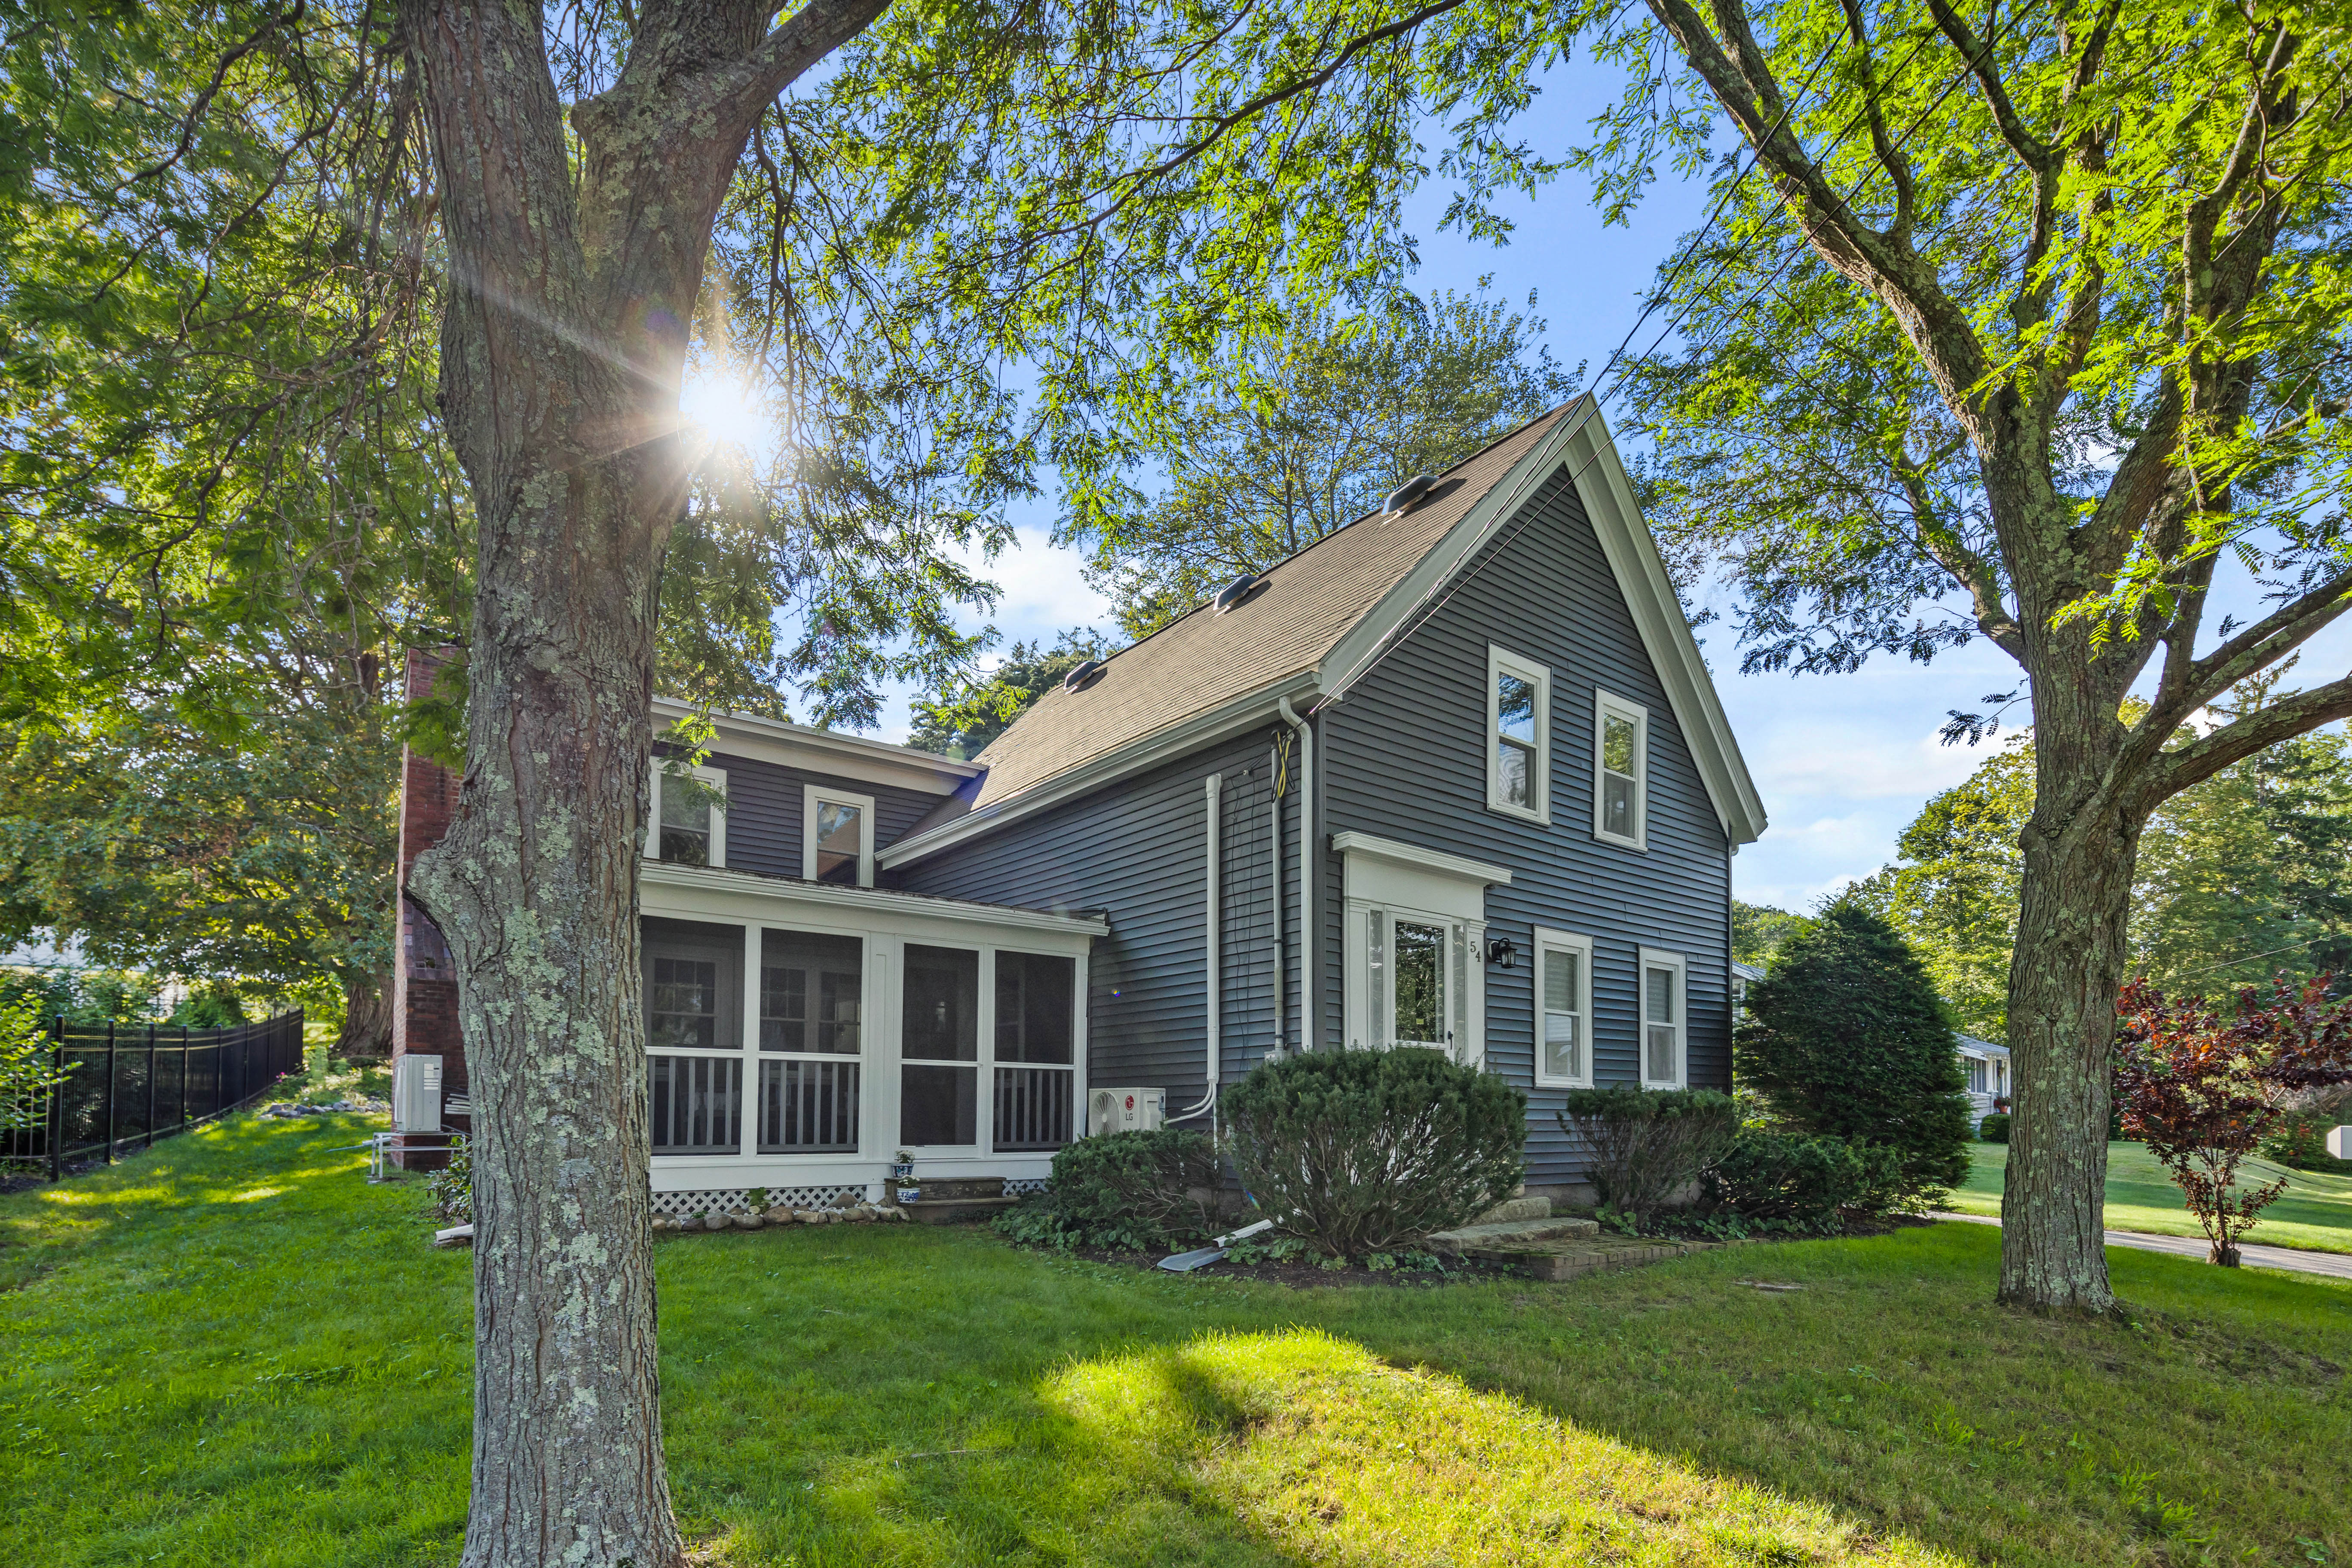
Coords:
1366,1152
1648,1144
1994,1128
1787,1181
1123,1192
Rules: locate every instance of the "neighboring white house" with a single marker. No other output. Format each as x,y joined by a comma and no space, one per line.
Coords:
1986,1064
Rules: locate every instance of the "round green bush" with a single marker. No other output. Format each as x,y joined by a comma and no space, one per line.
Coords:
1363,1152
1994,1129
1123,1192
1847,1038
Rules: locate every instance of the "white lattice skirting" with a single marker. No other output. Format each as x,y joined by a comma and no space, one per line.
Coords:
730,1200
1015,1186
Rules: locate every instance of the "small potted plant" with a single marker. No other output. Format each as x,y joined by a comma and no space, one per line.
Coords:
902,1175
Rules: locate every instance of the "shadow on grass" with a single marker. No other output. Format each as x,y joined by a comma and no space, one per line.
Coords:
1327,1450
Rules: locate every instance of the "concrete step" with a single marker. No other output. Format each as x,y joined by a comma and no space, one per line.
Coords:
1515,1208
1556,1261
1513,1233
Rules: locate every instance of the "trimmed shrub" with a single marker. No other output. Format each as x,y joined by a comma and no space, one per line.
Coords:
1994,1129
1648,1144
1784,1181
1847,1038
1123,1192
1363,1152
452,1186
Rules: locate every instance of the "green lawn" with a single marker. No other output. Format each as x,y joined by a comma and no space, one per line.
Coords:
2314,1211
234,1351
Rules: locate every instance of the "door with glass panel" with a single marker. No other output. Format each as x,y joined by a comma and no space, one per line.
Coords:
939,1047
812,1042
1035,1061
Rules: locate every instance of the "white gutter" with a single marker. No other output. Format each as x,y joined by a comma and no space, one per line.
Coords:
1217,1054
1306,929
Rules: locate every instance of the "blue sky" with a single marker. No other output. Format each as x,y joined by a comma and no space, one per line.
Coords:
1842,761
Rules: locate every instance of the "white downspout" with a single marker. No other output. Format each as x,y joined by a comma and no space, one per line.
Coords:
1216,1059
1306,929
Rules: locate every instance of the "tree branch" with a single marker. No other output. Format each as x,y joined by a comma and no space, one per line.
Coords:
2265,643
2037,154
1890,156
2175,771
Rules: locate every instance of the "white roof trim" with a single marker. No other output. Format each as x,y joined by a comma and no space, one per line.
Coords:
1202,729
1415,857
1580,440
867,900
846,755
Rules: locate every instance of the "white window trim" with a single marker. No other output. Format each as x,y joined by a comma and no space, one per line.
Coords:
1500,663
717,779
1546,943
810,796
1651,957
1604,704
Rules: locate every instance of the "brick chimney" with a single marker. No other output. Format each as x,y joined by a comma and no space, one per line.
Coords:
424,983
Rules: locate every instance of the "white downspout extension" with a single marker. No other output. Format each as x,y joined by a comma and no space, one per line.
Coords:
1306,930
1216,1059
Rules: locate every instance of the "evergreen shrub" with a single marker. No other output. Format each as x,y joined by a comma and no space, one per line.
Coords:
1785,1180
1846,1038
1122,1192
1994,1129
1364,1152
1648,1144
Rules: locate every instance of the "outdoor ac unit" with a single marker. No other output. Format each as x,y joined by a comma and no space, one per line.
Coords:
1126,1110
417,1094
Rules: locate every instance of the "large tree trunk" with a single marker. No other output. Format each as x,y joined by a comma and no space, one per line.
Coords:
559,388
367,1017
2080,848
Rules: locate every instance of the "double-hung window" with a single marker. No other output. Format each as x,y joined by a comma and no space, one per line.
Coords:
837,837
689,815
1665,1026
1563,1009
1518,736
1621,772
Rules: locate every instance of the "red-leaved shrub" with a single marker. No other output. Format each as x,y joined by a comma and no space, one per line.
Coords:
2202,1091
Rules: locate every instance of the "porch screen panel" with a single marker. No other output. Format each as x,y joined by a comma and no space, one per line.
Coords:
938,1077
812,1002
1036,1026
811,988
696,1104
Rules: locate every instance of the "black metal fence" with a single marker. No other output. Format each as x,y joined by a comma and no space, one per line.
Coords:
126,1085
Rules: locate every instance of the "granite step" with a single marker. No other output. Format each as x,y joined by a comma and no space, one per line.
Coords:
1515,1208
1513,1233
1556,1261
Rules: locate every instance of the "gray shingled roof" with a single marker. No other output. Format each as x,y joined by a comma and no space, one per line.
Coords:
1203,660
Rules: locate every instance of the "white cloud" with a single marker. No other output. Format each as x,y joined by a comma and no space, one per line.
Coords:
1827,759
1044,589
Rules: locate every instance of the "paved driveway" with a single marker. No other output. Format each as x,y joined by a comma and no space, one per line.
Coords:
2338,1264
